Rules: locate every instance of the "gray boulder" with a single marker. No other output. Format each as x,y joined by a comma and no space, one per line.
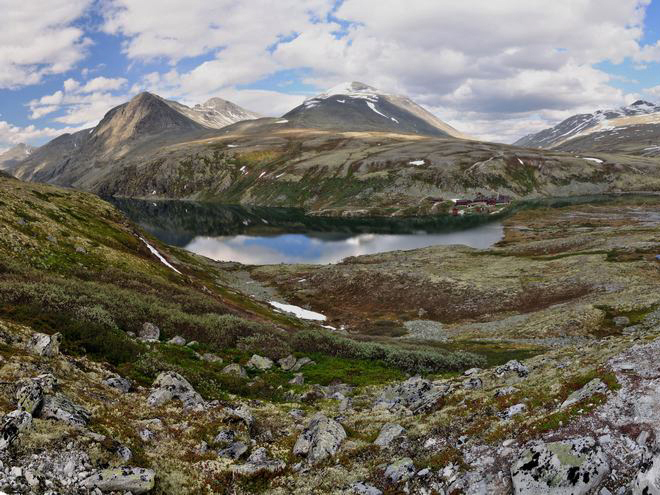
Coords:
241,413
298,379
177,340
124,479
225,437
300,363
647,481
595,386
235,369
149,331
501,392
61,408
119,383
12,424
45,345
472,383
287,363
401,470
415,394
234,451
211,358
321,439
169,385
260,362
512,366
29,396
513,411
364,489
258,462
388,433
570,467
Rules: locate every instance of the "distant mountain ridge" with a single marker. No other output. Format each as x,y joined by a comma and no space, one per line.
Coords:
14,155
625,129
355,106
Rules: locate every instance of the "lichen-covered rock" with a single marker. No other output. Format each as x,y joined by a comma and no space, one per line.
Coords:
225,437
260,362
364,489
501,392
45,345
177,340
400,470
595,386
259,462
514,410
647,481
235,369
298,379
570,467
211,358
29,396
242,413
321,439
388,433
124,479
119,383
287,363
472,383
149,331
512,366
234,451
169,385
415,394
12,424
61,408
300,363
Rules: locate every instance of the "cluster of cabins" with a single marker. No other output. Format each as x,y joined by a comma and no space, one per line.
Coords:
480,204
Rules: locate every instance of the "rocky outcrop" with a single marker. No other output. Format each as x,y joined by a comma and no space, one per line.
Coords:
61,408
12,424
647,481
287,363
595,386
45,345
512,366
235,369
125,479
321,439
571,467
416,395
388,433
29,396
234,451
400,470
121,384
241,413
170,385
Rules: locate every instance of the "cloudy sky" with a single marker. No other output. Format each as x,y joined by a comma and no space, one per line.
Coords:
494,69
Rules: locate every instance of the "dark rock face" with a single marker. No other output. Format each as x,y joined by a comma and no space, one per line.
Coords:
415,394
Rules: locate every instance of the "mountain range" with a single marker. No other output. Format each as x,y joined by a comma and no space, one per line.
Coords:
633,129
350,148
14,155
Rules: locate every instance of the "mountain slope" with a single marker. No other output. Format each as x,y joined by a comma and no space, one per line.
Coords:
632,129
14,155
357,107
215,113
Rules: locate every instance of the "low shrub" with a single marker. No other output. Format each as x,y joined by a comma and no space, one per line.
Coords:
266,344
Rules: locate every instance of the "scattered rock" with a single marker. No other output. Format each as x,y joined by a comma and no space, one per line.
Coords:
260,362
177,340
259,462
235,369
472,371
242,413
149,331
322,438
234,451
45,345
560,468
12,424
287,363
595,386
303,361
501,392
514,411
388,433
298,379
512,366
192,343
170,385
621,321
400,470
225,437
472,383
211,358
124,479
415,394
61,408
364,489
119,383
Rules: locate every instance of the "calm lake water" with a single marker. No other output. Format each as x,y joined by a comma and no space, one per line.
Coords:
286,235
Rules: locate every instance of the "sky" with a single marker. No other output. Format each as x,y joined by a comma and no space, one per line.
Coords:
496,70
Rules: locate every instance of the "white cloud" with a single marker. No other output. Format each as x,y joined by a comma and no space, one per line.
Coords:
11,135
103,84
38,38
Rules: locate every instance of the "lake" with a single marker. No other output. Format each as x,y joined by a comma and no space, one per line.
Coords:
257,235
